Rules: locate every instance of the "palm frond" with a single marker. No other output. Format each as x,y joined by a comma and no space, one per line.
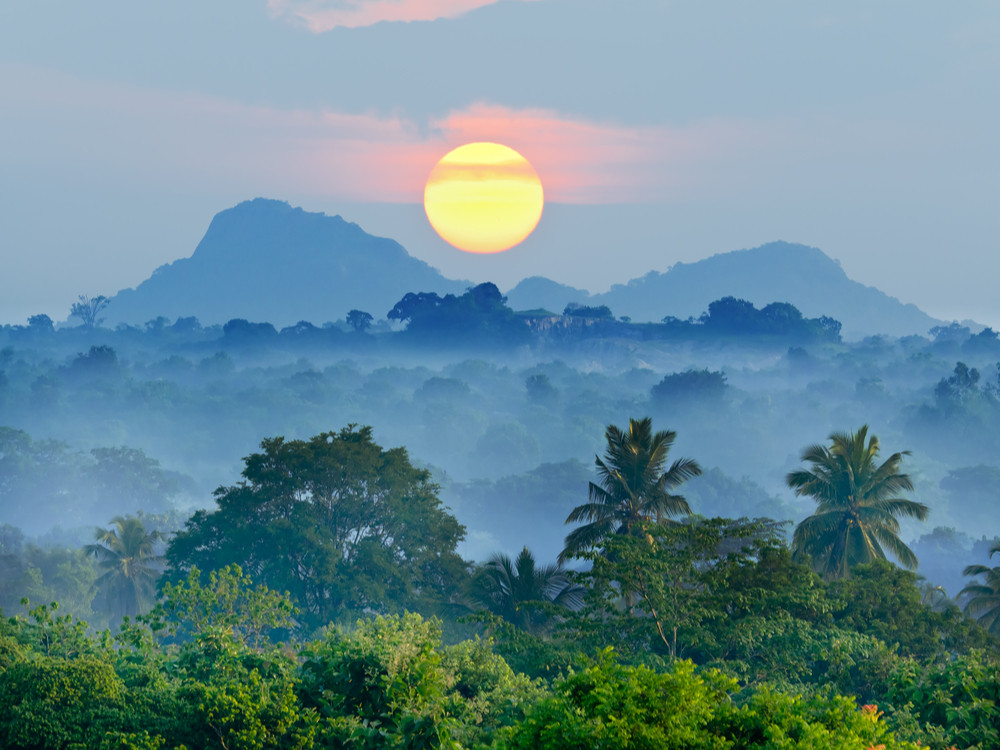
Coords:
584,538
590,512
632,486
858,503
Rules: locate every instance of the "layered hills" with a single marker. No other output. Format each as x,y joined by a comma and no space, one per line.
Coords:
777,272
264,260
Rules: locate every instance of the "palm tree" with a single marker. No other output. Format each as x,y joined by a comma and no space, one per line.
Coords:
633,489
856,518
509,588
983,601
127,556
933,597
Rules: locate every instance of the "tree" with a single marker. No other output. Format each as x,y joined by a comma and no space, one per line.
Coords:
691,386
337,521
126,554
415,305
634,488
479,316
983,597
98,361
88,308
241,330
856,519
41,323
961,387
513,589
576,310
125,477
359,320
665,591
731,315
540,389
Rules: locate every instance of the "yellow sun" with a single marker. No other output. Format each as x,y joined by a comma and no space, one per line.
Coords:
483,198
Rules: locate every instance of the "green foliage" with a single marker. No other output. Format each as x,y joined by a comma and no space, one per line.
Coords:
656,587
858,504
390,683
336,521
48,634
885,601
772,616
484,693
44,574
952,704
634,486
229,602
983,597
127,558
534,655
381,686
776,720
57,702
517,590
233,696
613,706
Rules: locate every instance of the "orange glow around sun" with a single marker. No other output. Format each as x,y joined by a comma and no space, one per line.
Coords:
483,198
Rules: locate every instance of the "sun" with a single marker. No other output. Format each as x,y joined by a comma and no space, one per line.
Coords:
483,198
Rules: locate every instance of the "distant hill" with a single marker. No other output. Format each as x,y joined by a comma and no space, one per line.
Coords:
266,261
776,272
537,292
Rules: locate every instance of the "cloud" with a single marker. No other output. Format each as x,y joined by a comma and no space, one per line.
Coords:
324,15
127,134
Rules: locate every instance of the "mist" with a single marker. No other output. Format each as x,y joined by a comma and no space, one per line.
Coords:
508,416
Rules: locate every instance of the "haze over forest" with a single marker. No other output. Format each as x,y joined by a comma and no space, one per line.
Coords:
353,429
507,400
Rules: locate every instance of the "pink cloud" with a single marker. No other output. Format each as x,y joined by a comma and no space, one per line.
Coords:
139,135
578,161
323,15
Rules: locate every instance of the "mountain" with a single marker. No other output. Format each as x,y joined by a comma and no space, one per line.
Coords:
776,272
537,292
266,261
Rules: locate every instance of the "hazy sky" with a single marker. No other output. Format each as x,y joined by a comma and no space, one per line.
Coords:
662,131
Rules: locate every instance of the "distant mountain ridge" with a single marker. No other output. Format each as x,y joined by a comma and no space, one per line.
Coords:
776,272
264,260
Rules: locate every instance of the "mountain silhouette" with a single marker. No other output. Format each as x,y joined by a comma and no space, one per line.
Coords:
777,272
264,260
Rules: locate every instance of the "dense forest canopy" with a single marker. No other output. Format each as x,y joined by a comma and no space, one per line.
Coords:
720,579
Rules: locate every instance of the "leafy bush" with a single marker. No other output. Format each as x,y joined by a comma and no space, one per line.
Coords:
611,706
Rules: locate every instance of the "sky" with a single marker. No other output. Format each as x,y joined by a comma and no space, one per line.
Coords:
662,131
